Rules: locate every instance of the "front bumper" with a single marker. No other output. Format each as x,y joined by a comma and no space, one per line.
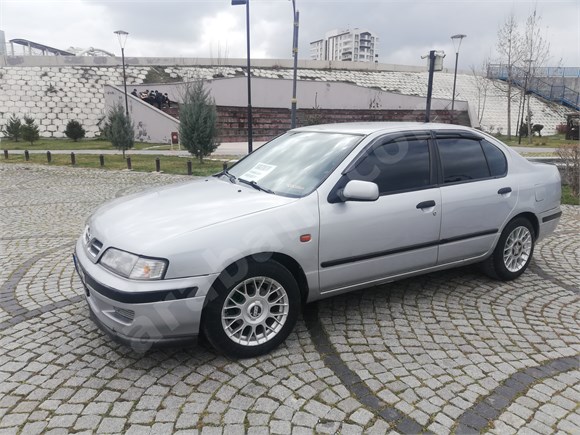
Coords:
142,314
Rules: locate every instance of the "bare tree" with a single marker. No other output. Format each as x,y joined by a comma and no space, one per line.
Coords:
482,85
509,46
537,52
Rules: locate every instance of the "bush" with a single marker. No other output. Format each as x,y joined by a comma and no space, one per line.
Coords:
119,129
12,129
570,155
74,130
29,130
198,121
561,129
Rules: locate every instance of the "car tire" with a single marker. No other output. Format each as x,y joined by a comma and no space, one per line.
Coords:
513,251
251,309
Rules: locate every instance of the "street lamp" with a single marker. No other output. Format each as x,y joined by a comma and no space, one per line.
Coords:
456,44
247,3
122,36
295,54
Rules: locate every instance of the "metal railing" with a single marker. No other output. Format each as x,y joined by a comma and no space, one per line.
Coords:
539,85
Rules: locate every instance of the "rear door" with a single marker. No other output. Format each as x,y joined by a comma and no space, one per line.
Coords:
476,193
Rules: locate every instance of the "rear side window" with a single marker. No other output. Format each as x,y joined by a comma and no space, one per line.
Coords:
462,159
396,166
495,159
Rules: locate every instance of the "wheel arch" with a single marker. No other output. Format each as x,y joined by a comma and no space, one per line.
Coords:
235,269
532,218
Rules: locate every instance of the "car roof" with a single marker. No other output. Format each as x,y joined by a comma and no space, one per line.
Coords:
366,128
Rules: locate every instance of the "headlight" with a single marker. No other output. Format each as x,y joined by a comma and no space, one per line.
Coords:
87,235
132,266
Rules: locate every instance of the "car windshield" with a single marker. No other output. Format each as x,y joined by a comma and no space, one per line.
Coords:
295,163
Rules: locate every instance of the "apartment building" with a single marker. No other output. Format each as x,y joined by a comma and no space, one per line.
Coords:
356,45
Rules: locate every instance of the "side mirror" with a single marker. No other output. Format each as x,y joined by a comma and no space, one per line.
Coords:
357,190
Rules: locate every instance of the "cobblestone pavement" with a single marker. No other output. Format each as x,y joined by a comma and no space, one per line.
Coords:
443,353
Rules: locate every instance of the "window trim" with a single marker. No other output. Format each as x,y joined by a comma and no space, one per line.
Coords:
451,134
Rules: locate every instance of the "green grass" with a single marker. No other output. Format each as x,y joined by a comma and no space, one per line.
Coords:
141,163
568,197
68,144
546,141
541,154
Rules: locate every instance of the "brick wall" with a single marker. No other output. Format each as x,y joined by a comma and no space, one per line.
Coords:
271,122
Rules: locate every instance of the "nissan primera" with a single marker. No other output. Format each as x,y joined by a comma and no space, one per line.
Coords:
316,212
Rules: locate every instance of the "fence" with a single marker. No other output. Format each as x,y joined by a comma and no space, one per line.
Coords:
539,85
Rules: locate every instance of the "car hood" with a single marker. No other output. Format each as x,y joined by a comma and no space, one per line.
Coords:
138,222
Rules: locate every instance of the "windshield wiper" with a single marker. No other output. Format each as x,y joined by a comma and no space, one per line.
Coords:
255,185
225,172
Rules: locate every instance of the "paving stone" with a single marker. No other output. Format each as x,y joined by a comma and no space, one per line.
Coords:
420,353
111,425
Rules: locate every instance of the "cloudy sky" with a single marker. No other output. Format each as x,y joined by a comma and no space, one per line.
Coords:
407,29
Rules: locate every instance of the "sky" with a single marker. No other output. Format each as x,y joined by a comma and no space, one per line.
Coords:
407,29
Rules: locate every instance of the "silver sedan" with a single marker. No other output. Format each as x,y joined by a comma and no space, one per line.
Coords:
316,212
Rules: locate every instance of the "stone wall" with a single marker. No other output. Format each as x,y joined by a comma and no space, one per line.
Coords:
57,93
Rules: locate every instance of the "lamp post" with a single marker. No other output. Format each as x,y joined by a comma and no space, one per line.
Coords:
456,44
295,54
122,36
247,3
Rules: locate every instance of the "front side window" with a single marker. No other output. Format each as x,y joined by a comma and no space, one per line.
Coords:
396,166
462,159
295,163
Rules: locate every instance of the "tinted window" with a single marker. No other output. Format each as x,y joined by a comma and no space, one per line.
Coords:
495,159
395,166
462,160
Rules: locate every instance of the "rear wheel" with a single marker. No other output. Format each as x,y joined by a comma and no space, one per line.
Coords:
513,252
253,314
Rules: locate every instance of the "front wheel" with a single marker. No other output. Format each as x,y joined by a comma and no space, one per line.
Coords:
254,313
513,252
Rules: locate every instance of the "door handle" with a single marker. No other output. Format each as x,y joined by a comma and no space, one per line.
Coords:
426,204
504,190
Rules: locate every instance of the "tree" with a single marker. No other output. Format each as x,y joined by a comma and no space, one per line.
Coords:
12,129
198,121
119,129
29,130
74,130
482,85
509,46
536,51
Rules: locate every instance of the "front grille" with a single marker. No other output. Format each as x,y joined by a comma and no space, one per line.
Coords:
125,315
95,247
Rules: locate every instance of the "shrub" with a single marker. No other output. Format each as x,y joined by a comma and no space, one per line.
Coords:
570,155
12,129
74,130
198,121
119,129
561,129
29,130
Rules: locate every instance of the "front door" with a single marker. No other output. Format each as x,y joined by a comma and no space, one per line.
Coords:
362,242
